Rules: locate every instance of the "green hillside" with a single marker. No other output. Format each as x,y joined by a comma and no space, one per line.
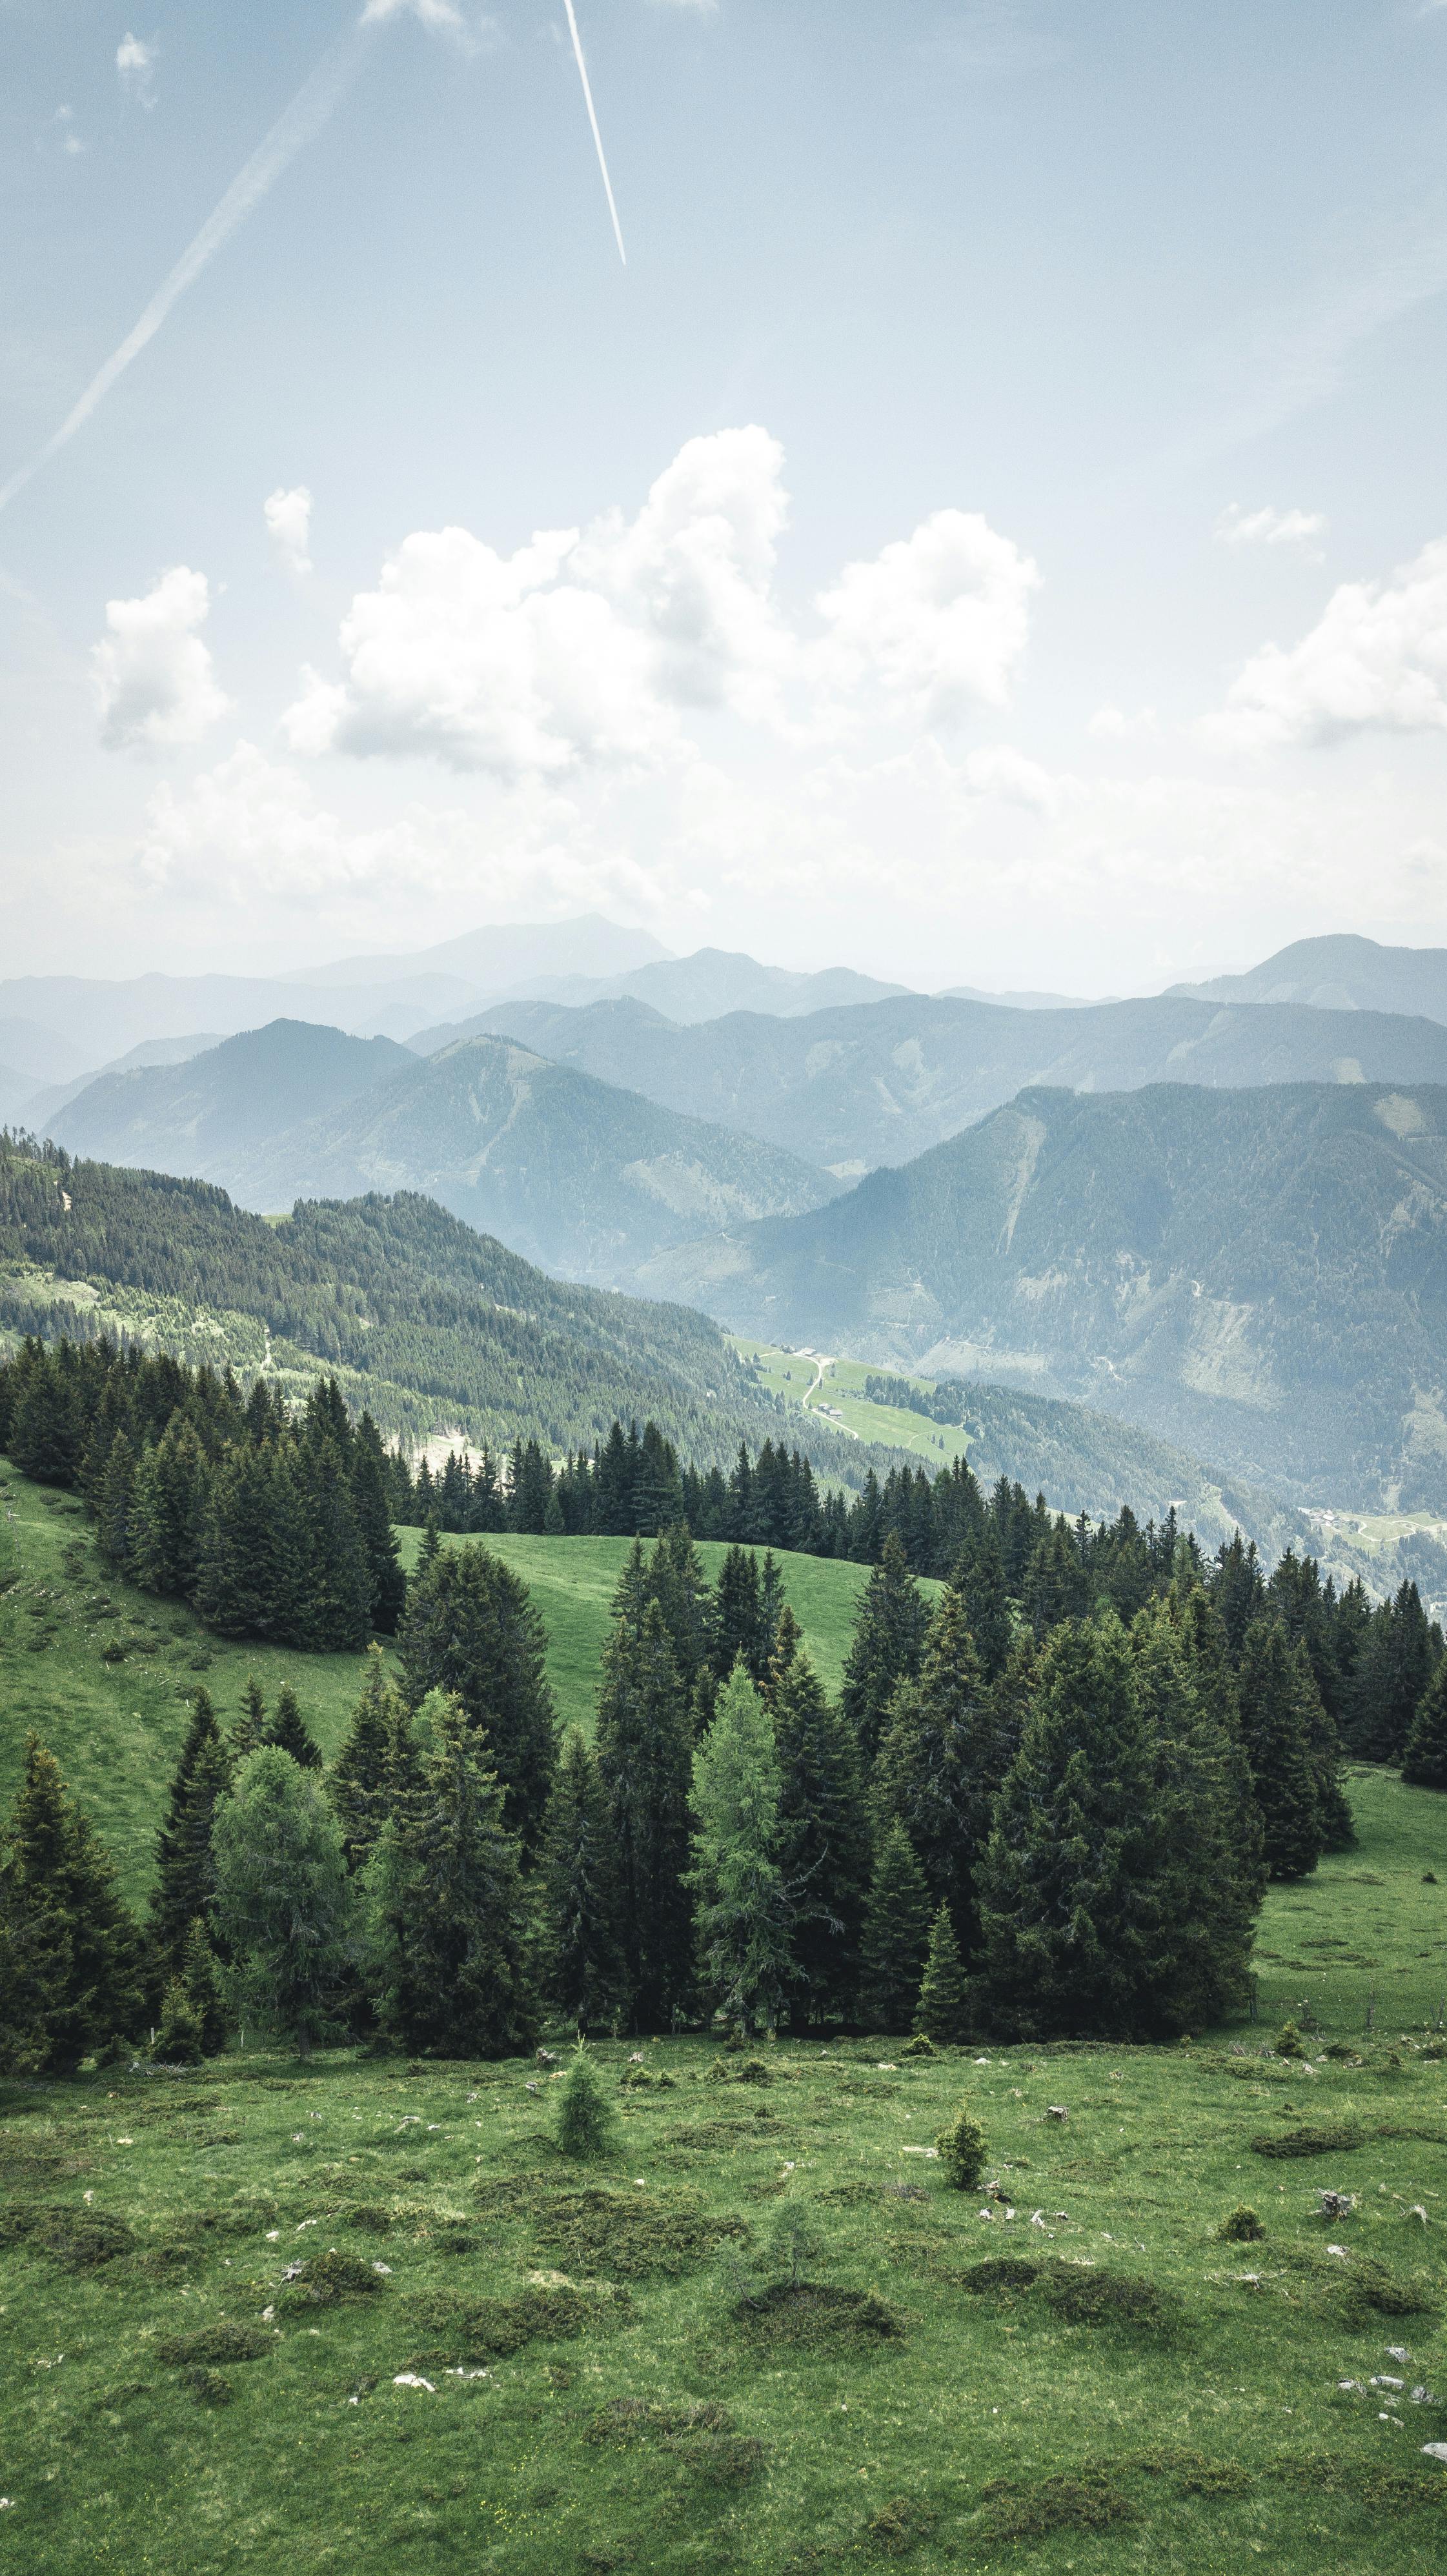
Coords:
116,1727
1257,1275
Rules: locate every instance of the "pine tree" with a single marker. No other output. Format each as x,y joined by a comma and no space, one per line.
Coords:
167,1511
742,1904
1208,1876
1275,1729
1393,1667
451,1932
334,1611
201,1978
895,1942
823,1843
178,2041
78,1951
980,1581
284,1904
943,2010
645,1744
678,1583
887,1647
185,1870
115,1501
1424,1761
287,1729
586,2126
1069,1906
735,1618
250,1561
357,1783
250,1728
930,1759
372,1510
580,1894
470,1628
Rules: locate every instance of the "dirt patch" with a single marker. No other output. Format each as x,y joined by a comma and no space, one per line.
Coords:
630,2237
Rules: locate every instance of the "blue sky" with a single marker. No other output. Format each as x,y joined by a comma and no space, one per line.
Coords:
1045,576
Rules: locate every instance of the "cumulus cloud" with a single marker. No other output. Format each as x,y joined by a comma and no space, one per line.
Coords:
153,674
1376,661
1268,527
135,64
1117,724
432,13
589,650
71,143
288,520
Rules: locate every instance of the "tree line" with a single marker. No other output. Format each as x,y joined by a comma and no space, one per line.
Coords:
992,1829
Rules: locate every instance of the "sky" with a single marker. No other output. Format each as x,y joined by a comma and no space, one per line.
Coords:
993,529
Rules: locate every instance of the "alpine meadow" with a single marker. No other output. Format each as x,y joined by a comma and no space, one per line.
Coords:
723,1289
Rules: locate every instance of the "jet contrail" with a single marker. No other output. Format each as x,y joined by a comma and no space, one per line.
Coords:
593,121
295,126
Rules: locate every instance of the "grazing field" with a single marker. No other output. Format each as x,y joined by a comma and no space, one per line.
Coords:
105,1674
835,1388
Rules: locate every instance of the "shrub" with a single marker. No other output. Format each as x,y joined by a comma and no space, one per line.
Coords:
178,2041
1098,2298
585,2122
467,2329
78,2238
749,2070
1000,2272
221,2342
962,2150
920,2046
631,2236
811,2314
1289,2042
1241,2226
331,2278
900,2526
1308,2142
703,2436
1084,2502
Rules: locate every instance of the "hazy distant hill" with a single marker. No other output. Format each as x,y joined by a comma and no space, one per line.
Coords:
1259,1275
849,1089
688,989
206,1114
1340,973
498,958
585,1178
43,1106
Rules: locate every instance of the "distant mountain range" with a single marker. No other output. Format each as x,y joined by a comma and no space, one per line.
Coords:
686,990
1340,973
1260,1275
850,1089
586,1178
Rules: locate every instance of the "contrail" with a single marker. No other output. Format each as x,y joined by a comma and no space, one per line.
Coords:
295,126
593,121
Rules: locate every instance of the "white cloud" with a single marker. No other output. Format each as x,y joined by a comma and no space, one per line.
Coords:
1114,724
135,63
71,143
288,520
153,675
588,650
1268,527
1376,660
433,13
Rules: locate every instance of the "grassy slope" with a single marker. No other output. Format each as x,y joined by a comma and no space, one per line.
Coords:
115,1728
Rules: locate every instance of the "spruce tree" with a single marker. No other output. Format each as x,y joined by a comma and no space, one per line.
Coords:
178,2041
735,1614
1072,1935
580,1894
250,1727
284,1903
251,1553
1275,1729
645,1747
979,1579
823,1842
1394,1664
185,1870
470,1628
1207,1876
943,2010
357,1782
200,1975
742,1904
678,1583
334,1611
287,1729
452,1942
115,1501
168,1510
1424,1761
930,1759
895,1940
371,1507
586,2127
887,1646
79,1952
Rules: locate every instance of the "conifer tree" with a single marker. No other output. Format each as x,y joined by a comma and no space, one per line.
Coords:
895,1940
115,1501
1070,1915
287,1729
470,1628
1424,1761
334,1611
252,1552
678,1583
284,1903
250,1727
735,1619
167,1511
185,1870
1207,1873
980,1581
78,1950
1393,1667
452,1939
372,1510
823,1843
178,2041
1275,1729
580,1894
586,2126
742,1904
930,1758
201,1978
358,1783
888,1643
943,2010
645,1743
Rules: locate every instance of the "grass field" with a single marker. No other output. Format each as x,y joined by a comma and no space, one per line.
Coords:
838,1396
116,1727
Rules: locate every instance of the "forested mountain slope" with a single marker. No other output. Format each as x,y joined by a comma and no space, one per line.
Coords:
204,1115
577,1174
685,989
1260,1275
880,1082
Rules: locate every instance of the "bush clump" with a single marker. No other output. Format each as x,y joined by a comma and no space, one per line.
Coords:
1086,2501
704,2436
1308,2142
80,2239
1370,2291
1241,2226
643,2079
370,2217
633,2235
329,2279
1289,2042
493,2329
746,2070
814,2315
1098,2298
920,2046
900,2526
1000,2273
221,2342
207,2386
962,2150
